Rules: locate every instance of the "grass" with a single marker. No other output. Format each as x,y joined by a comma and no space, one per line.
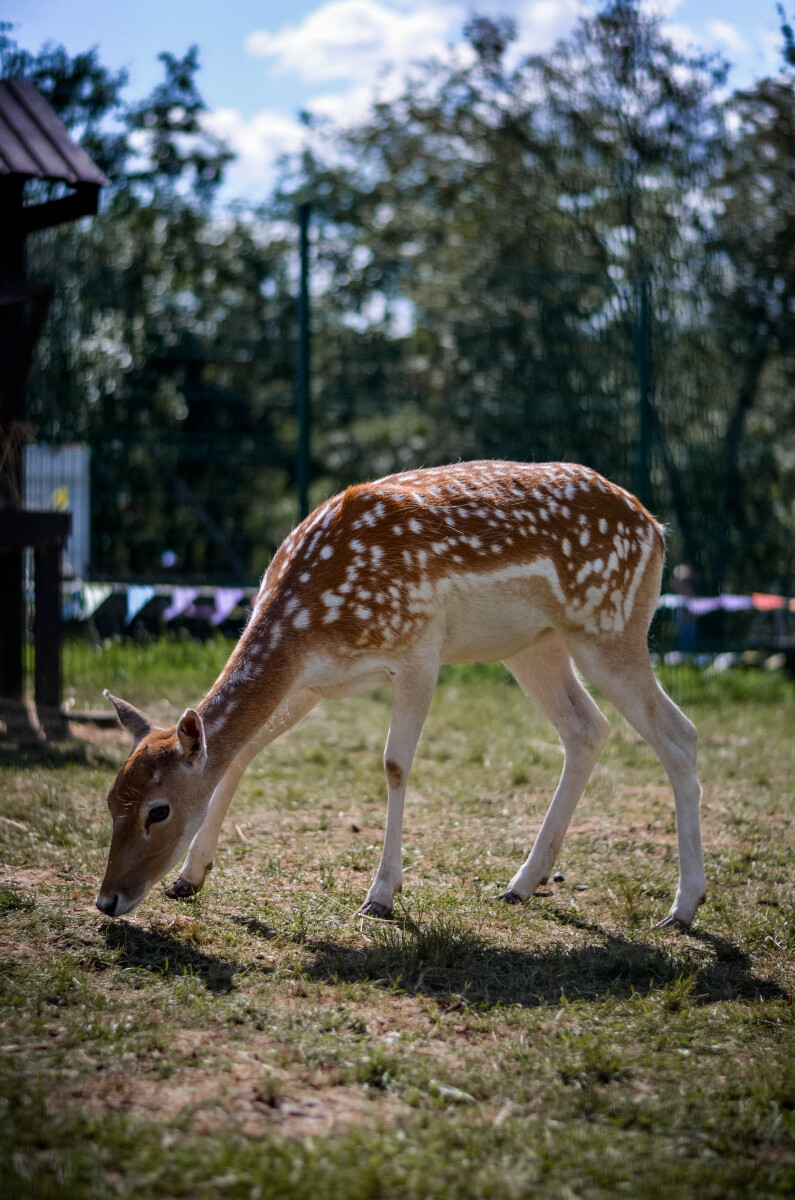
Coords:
264,1042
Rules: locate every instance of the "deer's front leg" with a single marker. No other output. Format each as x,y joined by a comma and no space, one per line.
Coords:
413,689
204,845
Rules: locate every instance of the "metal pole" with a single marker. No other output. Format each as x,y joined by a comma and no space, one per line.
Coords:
302,384
643,362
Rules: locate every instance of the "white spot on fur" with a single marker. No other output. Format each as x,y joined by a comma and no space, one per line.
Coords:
566,544
326,551
301,618
602,525
638,575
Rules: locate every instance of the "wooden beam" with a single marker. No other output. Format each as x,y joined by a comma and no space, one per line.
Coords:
21,527
83,202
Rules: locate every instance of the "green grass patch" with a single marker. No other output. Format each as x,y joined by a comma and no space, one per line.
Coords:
263,1041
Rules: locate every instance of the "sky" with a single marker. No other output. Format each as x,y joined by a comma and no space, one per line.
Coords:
264,61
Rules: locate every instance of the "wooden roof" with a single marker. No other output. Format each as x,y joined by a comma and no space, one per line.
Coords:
35,144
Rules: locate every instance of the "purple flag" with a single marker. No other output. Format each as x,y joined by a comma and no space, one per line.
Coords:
181,599
225,600
698,605
736,603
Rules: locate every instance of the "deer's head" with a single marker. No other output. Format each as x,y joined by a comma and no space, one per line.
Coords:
157,802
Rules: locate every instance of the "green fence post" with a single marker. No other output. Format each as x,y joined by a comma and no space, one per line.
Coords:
302,389
643,360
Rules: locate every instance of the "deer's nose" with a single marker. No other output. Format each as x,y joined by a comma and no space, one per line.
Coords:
107,904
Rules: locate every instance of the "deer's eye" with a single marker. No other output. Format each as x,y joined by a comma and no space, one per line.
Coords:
158,812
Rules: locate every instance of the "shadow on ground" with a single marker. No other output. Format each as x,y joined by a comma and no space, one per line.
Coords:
446,962
164,955
56,755
256,927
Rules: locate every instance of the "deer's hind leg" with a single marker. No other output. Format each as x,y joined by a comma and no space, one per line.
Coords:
545,674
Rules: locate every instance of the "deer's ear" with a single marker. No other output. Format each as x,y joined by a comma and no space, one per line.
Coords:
136,724
192,742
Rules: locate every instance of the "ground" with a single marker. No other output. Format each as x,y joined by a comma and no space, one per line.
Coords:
264,1041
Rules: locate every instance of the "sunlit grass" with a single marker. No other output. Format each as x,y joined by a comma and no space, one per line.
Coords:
263,1041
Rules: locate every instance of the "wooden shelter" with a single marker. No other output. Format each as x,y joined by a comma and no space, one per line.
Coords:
34,145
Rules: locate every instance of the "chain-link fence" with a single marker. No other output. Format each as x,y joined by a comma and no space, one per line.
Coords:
189,467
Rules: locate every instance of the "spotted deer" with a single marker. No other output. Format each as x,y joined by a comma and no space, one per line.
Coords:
538,565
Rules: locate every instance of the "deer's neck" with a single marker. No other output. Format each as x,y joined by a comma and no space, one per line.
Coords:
252,685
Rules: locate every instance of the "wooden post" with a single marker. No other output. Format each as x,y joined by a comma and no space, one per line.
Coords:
47,533
12,623
12,411
47,636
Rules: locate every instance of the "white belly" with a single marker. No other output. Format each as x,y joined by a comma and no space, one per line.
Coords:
495,619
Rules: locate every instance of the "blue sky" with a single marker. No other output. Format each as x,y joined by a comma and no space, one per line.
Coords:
262,62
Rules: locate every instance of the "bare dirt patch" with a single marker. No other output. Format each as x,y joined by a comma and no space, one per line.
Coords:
248,1094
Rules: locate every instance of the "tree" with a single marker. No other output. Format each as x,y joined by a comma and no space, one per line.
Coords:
514,211
754,307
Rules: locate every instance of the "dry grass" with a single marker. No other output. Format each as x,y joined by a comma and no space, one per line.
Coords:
264,1041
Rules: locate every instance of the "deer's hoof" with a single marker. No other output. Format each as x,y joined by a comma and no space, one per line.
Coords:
672,922
371,908
511,897
681,919
181,890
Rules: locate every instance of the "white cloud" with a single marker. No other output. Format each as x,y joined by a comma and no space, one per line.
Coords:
258,142
728,35
540,23
352,105
353,39
662,8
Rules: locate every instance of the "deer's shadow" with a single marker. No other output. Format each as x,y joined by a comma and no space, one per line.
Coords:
164,955
448,962
456,965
